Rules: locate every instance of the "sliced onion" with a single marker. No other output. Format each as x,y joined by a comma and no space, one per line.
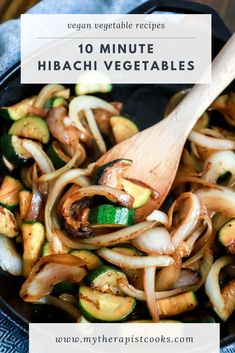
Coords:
65,93
54,194
219,163
36,200
154,241
95,130
69,199
73,244
78,104
212,286
120,236
190,220
187,278
67,134
45,93
131,291
211,142
159,217
127,261
222,200
69,308
43,161
10,260
167,276
65,168
187,178
49,271
149,289
204,238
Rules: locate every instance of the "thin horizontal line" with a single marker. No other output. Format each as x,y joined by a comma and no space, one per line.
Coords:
116,38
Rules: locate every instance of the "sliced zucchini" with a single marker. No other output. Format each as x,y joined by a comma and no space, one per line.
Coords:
110,174
141,194
32,127
228,294
17,111
64,287
104,278
92,260
13,151
46,249
8,225
9,192
122,128
25,197
178,304
33,239
104,307
55,102
111,215
57,156
90,88
227,235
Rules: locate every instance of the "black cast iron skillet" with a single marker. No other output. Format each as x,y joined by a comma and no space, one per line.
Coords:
143,103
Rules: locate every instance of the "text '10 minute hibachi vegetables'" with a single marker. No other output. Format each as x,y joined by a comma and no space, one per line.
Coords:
73,231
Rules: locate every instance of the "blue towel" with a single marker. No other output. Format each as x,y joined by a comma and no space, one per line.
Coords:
13,338
10,31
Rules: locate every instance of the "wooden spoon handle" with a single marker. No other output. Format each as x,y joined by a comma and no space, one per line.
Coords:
202,95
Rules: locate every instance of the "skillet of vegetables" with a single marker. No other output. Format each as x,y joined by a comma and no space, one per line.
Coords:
71,231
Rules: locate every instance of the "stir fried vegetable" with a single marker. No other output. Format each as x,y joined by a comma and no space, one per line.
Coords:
72,230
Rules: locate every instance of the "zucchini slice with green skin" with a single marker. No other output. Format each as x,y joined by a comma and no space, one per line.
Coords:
64,287
90,88
177,304
57,156
17,111
32,127
111,215
92,260
104,278
13,151
25,197
33,238
8,225
122,128
227,236
46,249
104,307
9,192
140,193
55,102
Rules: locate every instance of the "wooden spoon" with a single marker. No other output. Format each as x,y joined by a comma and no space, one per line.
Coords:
156,151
